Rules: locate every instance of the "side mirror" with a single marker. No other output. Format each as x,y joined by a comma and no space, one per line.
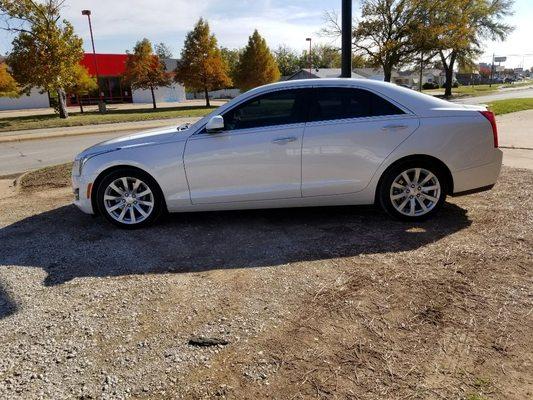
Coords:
215,124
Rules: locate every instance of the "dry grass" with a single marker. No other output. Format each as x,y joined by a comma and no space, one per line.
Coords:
56,176
327,303
451,320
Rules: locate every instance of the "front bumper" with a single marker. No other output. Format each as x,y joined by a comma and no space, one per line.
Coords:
82,193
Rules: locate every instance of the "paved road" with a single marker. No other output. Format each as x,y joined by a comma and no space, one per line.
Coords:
17,157
508,94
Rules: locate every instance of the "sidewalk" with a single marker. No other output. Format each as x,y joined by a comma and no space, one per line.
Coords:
516,129
124,106
47,133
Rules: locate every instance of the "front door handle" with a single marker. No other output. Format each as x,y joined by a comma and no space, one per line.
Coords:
284,140
394,127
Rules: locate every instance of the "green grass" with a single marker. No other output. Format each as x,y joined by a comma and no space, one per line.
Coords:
474,90
478,90
518,84
500,107
94,118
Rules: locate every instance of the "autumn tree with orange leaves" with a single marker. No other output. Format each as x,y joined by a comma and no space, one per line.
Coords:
257,66
145,70
8,85
202,67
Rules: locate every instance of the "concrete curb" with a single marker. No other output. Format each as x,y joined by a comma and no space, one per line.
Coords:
29,136
515,148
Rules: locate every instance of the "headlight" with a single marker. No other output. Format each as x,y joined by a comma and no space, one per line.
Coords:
77,167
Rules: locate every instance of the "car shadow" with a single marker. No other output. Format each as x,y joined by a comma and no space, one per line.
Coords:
68,244
7,305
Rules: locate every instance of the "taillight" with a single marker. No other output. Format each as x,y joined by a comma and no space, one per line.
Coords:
492,119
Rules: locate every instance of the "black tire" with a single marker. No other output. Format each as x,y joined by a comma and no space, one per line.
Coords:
155,197
385,190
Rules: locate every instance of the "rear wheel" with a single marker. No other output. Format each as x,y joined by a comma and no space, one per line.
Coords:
413,190
129,199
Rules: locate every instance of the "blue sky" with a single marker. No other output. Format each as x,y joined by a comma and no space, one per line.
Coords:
118,24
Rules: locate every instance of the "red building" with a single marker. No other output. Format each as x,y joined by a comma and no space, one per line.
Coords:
111,67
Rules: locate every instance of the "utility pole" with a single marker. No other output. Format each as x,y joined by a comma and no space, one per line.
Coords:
346,71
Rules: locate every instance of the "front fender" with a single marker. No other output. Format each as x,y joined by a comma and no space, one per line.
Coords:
162,161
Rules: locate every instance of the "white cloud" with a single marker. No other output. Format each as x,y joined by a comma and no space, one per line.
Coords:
118,24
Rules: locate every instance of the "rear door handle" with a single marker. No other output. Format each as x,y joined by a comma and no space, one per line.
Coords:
394,127
284,140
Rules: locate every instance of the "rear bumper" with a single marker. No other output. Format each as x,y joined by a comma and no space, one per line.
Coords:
477,179
472,191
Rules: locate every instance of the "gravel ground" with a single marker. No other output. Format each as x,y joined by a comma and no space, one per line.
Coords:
288,304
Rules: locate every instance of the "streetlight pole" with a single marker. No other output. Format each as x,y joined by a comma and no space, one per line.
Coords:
491,71
101,106
346,71
310,56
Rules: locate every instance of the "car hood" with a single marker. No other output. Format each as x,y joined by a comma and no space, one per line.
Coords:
154,136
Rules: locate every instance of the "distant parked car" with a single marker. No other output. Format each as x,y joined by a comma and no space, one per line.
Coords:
509,80
297,143
455,84
430,85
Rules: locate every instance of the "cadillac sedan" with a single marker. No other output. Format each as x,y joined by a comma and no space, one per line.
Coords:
297,144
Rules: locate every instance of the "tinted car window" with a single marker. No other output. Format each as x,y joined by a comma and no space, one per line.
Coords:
339,103
277,108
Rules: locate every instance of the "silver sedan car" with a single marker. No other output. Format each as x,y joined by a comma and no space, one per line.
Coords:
293,144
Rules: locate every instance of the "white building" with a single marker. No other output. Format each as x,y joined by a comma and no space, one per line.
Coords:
34,100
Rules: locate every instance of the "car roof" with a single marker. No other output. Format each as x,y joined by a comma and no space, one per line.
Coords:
412,99
418,103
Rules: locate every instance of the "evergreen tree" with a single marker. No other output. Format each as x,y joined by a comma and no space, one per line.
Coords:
201,66
257,65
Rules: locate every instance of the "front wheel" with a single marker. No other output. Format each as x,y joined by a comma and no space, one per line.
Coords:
129,199
413,191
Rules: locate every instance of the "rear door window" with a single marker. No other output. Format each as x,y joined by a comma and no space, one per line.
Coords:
343,103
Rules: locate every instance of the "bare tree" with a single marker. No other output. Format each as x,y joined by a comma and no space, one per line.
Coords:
383,33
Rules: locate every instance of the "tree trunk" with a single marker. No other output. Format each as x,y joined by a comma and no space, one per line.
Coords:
207,103
421,72
387,71
153,97
448,69
79,102
62,103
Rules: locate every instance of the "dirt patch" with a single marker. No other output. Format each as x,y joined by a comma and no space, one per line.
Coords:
7,188
326,303
57,176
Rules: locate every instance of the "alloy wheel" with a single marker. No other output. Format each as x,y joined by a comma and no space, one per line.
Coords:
415,192
128,200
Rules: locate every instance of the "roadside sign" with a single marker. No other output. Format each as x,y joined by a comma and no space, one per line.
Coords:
500,59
